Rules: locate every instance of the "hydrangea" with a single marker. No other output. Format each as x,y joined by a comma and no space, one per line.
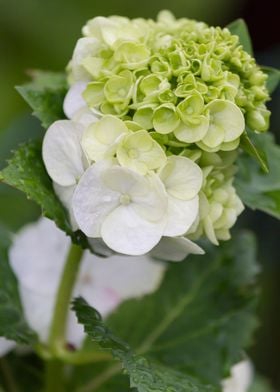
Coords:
156,110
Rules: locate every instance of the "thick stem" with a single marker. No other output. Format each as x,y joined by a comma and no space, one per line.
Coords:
63,298
54,376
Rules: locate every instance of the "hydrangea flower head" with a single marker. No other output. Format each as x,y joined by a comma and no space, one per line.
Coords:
152,107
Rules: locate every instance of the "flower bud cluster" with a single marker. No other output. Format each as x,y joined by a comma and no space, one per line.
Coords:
179,78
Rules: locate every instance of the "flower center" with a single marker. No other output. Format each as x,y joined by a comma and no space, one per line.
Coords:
125,199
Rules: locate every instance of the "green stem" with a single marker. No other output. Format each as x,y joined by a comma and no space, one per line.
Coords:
54,376
63,298
55,367
9,380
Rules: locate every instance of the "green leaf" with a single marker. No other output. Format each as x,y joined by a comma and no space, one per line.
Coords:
12,323
259,190
45,94
196,324
248,146
260,385
144,375
26,172
239,27
273,78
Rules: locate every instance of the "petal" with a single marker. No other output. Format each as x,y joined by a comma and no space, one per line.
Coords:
65,194
86,47
6,346
100,248
93,200
191,133
182,177
38,309
181,215
140,152
99,137
241,377
37,256
175,249
74,101
62,153
227,116
126,232
146,195
104,283
86,117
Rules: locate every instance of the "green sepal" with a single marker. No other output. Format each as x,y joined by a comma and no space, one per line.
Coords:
273,78
239,27
259,190
247,145
45,94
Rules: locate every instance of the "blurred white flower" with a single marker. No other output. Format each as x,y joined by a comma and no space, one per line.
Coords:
37,259
240,379
6,346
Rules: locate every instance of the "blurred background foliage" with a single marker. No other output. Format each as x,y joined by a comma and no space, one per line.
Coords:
37,34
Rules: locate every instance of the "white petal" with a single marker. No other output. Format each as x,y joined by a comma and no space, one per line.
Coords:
38,308
85,117
93,200
37,256
126,232
241,378
6,346
147,194
74,100
99,247
62,153
65,194
85,47
181,215
175,249
107,282
182,177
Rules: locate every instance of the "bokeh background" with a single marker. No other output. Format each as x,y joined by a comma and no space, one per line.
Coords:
39,34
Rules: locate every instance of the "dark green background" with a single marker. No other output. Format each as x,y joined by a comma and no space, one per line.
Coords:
42,34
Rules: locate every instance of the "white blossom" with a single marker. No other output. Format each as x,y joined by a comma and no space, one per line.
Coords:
37,258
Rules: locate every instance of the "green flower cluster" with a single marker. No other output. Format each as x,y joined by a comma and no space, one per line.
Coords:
219,205
192,87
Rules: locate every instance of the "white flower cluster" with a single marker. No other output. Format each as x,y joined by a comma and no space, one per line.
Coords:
119,185
147,102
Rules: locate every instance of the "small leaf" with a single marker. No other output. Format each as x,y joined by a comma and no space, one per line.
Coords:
239,27
273,78
259,190
45,95
12,323
26,172
248,146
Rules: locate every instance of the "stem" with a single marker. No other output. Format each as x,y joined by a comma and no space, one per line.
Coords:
58,326
54,367
54,376
8,376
